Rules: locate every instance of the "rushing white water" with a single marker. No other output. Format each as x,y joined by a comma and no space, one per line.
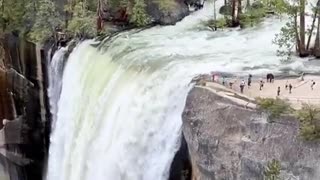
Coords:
119,115
55,69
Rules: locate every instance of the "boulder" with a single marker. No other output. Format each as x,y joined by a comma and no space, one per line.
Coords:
226,10
228,141
170,16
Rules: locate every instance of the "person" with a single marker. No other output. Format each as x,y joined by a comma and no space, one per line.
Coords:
302,77
278,92
213,77
242,84
290,88
223,80
249,80
261,84
286,86
312,84
270,77
230,84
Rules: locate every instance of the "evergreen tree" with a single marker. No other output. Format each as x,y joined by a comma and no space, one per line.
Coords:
12,15
46,21
83,21
139,15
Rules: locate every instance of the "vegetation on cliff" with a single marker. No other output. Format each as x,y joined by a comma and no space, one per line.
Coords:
308,116
38,20
272,171
274,107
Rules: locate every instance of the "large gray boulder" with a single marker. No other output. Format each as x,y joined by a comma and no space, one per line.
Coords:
227,141
170,16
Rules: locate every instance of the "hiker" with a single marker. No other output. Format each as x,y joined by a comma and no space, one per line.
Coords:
270,77
230,84
302,77
242,84
261,84
278,92
290,88
249,80
312,84
286,86
213,77
223,81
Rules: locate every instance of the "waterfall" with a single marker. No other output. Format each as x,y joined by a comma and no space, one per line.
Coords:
55,71
119,112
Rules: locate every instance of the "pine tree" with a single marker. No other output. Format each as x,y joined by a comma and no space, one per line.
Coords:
12,15
46,21
83,21
139,15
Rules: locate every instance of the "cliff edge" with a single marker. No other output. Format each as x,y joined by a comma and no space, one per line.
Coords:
228,140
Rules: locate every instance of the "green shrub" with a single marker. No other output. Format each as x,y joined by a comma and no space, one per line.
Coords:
139,15
275,107
272,171
219,23
309,118
252,17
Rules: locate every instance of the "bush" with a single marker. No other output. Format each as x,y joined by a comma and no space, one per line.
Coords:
275,107
139,15
252,17
219,23
309,118
272,171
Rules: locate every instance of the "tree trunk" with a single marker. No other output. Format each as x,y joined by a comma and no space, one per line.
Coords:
303,52
99,20
312,27
239,8
225,2
235,13
298,48
316,50
215,15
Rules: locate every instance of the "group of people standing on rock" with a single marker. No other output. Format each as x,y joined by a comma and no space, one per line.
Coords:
270,79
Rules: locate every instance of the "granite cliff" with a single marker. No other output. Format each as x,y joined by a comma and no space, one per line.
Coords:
227,140
24,117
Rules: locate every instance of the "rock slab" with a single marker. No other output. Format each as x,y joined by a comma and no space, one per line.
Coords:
226,141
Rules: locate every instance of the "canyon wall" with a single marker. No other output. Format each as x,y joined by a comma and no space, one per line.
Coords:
24,116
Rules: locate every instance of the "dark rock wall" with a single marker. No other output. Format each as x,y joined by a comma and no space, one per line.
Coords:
23,79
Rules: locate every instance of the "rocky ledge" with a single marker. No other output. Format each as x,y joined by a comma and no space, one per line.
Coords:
228,140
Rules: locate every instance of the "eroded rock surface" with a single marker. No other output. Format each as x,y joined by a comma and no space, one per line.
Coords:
230,142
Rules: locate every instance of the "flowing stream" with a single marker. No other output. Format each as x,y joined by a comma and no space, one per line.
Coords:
118,116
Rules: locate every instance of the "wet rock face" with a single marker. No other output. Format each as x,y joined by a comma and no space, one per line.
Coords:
23,118
227,141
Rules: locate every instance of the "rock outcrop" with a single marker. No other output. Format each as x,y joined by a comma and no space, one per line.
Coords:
170,16
226,140
23,109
